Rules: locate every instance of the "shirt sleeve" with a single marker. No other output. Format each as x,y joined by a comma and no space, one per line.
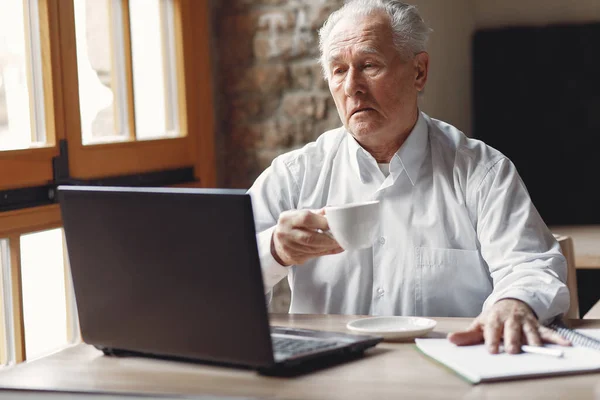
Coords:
273,192
523,257
272,271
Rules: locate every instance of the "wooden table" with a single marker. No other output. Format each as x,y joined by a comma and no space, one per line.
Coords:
388,371
586,243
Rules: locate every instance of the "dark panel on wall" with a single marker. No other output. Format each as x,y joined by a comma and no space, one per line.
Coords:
587,289
537,100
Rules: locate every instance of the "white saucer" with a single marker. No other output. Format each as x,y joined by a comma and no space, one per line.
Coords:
393,328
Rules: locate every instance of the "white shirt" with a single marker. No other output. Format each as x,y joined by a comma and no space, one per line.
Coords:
458,230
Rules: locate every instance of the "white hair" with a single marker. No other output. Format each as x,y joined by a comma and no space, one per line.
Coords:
409,30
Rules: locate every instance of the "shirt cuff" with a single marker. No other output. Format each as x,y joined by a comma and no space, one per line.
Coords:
272,271
539,307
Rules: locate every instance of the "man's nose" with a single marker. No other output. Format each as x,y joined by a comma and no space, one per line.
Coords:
353,84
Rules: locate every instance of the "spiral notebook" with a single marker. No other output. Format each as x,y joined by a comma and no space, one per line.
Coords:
579,338
477,365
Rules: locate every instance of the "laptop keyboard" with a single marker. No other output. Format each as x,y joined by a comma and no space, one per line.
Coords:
285,347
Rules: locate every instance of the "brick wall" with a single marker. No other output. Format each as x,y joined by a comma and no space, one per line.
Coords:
269,93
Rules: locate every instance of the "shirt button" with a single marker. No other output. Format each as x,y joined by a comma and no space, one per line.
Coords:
380,291
382,240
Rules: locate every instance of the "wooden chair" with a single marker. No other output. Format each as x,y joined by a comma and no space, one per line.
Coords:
566,246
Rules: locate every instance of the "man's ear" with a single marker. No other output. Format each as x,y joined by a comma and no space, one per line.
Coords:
421,61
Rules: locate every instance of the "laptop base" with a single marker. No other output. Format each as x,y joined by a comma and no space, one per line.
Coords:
288,368
291,369
120,353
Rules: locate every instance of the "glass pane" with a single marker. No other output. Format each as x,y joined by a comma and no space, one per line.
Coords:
21,113
153,58
4,305
99,81
44,301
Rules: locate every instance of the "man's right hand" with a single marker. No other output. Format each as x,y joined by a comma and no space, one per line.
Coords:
298,237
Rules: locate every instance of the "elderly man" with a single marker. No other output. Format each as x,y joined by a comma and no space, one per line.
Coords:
459,235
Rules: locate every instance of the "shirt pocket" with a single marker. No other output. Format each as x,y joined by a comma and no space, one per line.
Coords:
451,282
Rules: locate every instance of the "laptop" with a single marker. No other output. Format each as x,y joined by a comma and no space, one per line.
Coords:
175,272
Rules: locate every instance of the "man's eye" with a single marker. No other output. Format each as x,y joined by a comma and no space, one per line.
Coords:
338,71
368,65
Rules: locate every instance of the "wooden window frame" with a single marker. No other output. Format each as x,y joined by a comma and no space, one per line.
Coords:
13,224
195,146
34,167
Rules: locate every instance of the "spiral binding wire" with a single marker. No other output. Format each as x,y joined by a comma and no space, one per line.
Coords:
575,337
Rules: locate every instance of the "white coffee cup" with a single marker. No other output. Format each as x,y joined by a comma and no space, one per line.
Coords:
354,225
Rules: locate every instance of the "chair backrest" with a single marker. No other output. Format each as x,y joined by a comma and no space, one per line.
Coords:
566,246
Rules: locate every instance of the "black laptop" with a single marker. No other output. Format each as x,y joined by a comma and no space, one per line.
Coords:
175,272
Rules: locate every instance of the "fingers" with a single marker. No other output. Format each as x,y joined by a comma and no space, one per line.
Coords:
551,336
291,252
466,338
472,335
512,336
509,321
530,331
305,228
305,219
492,333
320,211
309,238
299,237
329,252
308,243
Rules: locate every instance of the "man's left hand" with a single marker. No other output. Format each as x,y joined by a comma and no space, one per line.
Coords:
512,320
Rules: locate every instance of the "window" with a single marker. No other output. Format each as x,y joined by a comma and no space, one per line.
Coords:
126,95
91,92
43,292
21,117
154,71
129,106
27,140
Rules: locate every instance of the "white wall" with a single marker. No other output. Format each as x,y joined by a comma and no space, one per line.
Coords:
496,13
448,92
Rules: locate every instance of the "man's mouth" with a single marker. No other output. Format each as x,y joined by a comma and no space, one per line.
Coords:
361,110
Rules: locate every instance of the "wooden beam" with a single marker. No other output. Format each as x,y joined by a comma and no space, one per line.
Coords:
18,321
27,220
192,24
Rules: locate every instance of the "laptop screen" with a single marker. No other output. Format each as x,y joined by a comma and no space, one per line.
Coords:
169,271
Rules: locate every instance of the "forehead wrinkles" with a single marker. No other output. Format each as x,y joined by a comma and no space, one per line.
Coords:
361,46
362,39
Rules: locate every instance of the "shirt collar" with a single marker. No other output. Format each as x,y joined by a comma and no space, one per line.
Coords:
355,151
410,155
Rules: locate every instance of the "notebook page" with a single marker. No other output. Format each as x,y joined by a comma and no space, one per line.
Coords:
476,364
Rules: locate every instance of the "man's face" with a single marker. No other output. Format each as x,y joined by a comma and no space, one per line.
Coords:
374,89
